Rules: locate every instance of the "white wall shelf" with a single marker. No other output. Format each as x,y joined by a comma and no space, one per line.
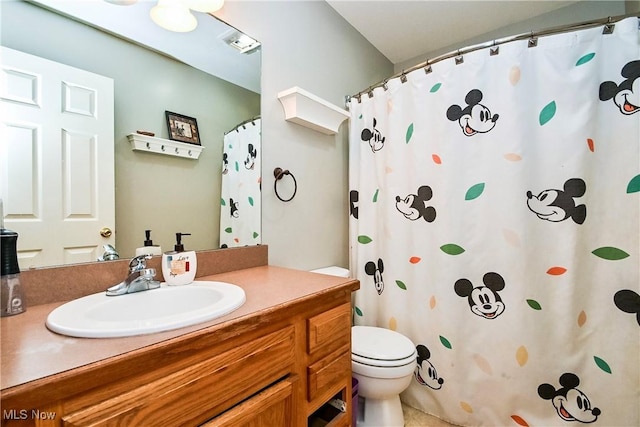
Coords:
308,110
151,144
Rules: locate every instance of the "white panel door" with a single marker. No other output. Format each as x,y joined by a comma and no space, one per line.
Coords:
57,158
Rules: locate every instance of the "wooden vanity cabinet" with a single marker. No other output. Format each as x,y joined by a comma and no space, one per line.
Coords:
275,368
195,393
328,360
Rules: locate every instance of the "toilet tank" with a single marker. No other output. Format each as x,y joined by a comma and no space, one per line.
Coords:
332,271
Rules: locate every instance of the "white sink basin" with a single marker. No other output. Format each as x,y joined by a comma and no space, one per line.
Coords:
156,310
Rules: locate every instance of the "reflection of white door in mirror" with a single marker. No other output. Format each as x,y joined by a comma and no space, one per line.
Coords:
57,159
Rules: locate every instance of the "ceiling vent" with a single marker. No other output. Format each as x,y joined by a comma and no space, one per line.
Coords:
240,41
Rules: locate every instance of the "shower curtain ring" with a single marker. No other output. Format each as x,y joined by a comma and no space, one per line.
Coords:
494,49
459,59
278,173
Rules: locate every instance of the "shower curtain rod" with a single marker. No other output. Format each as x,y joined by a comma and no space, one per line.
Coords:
608,22
235,128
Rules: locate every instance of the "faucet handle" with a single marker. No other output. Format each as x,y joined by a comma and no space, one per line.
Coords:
139,263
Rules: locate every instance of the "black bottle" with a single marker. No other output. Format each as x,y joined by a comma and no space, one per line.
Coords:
12,299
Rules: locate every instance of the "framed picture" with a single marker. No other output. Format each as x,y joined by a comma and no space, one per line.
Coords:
182,128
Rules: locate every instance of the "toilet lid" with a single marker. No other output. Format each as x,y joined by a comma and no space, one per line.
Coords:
377,345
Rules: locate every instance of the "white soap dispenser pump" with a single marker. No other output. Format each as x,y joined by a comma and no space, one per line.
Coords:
179,266
149,248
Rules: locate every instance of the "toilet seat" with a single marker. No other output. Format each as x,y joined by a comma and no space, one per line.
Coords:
383,372
379,347
383,363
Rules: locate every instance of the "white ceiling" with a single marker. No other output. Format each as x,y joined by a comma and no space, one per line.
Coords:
402,30
201,48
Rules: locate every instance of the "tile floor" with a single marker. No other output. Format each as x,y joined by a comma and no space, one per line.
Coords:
415,418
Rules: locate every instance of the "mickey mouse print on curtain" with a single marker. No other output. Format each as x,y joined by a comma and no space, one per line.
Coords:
474,117
558,205
622,94
495,221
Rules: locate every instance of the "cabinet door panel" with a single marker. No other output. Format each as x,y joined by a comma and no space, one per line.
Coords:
324,375
269,408
197,393
329,330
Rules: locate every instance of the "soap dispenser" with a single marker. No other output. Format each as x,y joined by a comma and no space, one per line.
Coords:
149,248
179,266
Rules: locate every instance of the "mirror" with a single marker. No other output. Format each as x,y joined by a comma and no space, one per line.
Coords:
152,192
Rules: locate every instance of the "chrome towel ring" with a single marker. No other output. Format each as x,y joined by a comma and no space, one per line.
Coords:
278,173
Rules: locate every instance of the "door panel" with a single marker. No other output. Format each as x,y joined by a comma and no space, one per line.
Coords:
58,159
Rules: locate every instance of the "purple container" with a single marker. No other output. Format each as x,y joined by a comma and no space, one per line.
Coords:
354,401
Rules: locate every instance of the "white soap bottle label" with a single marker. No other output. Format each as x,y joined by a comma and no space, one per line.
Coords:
179,268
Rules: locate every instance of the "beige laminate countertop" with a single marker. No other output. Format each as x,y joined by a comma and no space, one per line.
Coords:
30,352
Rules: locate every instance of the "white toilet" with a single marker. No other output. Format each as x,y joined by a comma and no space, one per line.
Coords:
383,362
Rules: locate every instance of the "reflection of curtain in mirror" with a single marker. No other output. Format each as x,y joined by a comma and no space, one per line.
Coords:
240,195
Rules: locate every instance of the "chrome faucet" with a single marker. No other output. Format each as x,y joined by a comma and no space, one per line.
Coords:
109,254
140,278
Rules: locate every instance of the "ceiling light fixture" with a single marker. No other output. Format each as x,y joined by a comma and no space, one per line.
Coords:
122,2
207,6
173,15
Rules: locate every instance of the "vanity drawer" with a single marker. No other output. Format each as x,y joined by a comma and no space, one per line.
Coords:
271,407
329,330
194,394
326,376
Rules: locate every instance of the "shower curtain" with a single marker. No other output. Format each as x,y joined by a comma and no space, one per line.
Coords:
495,221
241,185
